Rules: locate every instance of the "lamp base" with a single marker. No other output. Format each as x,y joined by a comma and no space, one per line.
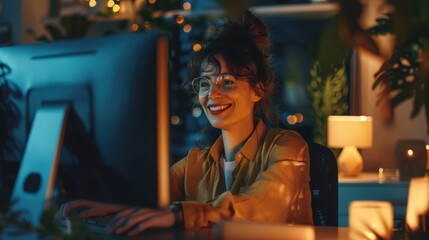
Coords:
350,162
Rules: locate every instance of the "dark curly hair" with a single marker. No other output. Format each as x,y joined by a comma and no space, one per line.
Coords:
243,43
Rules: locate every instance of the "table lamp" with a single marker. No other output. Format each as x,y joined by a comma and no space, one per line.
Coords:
350,133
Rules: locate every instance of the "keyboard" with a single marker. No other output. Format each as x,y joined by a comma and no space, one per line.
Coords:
98,225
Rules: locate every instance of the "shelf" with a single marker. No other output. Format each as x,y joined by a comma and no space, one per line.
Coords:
290,11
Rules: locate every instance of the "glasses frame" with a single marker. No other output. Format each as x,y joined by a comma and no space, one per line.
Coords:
216,81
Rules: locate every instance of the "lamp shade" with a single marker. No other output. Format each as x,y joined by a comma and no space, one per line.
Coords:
349,131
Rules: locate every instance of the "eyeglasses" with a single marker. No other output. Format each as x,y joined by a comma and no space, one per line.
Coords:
226,82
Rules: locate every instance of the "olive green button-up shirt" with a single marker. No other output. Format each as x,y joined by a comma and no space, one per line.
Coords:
270,181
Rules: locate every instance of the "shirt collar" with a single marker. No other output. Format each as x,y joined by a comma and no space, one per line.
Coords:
249,148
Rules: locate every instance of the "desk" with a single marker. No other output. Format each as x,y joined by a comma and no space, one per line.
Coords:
367,187
322,233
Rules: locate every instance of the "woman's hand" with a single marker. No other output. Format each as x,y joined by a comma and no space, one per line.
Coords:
133,221
93,209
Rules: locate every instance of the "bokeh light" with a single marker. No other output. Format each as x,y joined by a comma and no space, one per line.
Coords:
180,19
187,6
197,47
187,28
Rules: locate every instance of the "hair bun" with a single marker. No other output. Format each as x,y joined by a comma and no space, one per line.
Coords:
255,27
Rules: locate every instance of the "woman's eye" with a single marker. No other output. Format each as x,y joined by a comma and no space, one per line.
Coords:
228,82
204,84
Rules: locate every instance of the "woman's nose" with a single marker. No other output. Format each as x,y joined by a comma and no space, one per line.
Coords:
214,91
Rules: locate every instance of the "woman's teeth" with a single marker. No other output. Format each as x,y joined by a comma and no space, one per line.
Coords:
218,107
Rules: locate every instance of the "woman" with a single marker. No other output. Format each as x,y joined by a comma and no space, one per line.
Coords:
250,172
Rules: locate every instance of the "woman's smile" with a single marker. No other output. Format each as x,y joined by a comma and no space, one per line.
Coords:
216,109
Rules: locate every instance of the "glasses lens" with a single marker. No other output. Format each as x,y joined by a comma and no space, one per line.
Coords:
227,82
201,85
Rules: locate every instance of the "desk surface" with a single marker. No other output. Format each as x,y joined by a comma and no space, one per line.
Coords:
322,233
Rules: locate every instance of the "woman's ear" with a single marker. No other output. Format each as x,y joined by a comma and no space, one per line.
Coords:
258,92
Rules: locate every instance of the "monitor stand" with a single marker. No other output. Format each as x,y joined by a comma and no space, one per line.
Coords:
35,181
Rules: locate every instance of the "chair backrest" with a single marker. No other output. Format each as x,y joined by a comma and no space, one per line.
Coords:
324,185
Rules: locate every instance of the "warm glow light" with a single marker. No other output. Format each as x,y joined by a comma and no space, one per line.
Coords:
410,153
116,8
175,120
187,28
299,117
92,3
292,119
146,25
157,14
110,3
359,135
152,1
134,27
187,6
418,203
180,19
197,47
370,220
196,112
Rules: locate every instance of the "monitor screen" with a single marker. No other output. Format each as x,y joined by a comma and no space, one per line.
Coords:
116,142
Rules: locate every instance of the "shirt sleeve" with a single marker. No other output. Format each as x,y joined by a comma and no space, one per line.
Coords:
281,193
177,180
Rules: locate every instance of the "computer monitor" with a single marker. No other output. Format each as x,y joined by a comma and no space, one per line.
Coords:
116,127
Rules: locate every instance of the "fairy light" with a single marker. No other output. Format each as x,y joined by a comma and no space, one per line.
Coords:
410,153
292,119
197,47
299,117
110,3
187,6
152,1
134,27
187,28
116,8
180,19
146,25
92,3
196,112
175,120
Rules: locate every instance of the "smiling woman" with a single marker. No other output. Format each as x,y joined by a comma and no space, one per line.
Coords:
251,172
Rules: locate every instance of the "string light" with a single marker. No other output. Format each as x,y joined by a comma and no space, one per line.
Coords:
175,120
299,117
134,27
180,19
152,1
197,47
116,8
110,3
187,28
92,3
196,112
146,25
187,6
410,153
292,119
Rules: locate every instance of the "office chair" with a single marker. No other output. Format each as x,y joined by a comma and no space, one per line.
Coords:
323,185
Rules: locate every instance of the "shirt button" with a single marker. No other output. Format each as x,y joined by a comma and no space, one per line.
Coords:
239,155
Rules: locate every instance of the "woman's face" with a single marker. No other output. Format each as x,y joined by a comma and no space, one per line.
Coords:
227,108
